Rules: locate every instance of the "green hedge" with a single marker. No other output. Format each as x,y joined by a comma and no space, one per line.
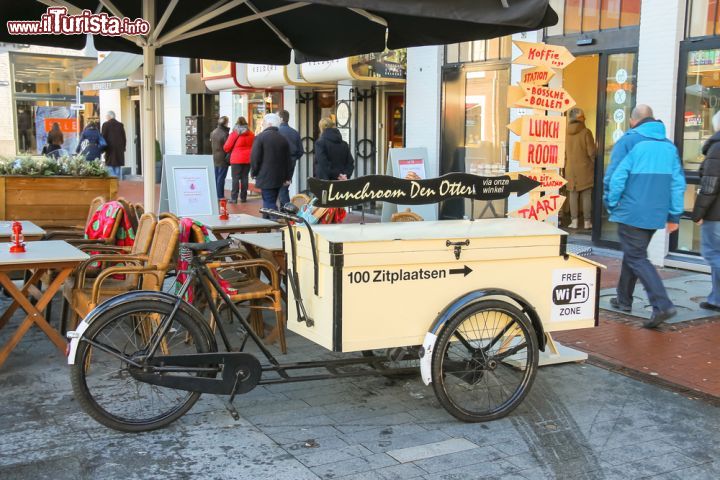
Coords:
67,166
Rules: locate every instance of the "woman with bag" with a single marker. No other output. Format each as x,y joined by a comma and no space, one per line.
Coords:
91,142
333,160
238,145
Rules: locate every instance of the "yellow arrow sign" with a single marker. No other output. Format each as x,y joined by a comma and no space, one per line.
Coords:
543,55
536,76
540,128
543,98
540,209
549,179
540,154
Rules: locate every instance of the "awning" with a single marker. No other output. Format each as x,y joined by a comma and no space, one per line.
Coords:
113,72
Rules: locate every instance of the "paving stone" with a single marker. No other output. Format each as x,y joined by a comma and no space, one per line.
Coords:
494,469
428,450
398,442
354,465
322,457
459,459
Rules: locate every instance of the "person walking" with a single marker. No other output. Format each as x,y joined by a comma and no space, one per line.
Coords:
296,150
332,154
91,142
270,163
54,141
644,190
114,134
706,212
218,137
239,145
580,151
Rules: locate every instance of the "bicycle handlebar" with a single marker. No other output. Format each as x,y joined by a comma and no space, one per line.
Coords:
286,216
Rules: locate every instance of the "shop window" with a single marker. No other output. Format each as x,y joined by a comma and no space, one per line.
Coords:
582,16
702,18
479,51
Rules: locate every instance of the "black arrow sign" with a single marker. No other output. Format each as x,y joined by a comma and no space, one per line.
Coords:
461,271
339,193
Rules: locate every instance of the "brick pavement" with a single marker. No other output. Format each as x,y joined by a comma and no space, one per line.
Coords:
682,354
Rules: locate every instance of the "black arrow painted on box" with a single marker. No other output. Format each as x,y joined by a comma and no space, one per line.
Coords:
465,271
523,185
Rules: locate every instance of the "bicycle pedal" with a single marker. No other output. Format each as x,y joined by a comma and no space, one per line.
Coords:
232,410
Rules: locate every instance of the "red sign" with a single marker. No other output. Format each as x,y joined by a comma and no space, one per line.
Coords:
549,180
541,208
540,128
541,154
536,76
545,98
67,125
540,54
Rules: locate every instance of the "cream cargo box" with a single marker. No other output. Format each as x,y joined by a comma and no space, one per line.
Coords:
383,285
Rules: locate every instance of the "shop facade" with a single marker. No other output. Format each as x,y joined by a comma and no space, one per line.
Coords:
364,95
38,87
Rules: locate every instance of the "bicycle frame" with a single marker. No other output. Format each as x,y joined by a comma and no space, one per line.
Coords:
198,363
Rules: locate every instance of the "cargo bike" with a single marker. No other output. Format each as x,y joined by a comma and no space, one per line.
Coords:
467,302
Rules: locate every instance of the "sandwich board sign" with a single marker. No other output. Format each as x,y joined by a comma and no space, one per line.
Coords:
408,164
188,187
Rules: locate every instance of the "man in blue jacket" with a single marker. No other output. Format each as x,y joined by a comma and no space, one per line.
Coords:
296,150
644,189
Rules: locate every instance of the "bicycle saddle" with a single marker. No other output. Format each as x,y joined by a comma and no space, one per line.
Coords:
207,246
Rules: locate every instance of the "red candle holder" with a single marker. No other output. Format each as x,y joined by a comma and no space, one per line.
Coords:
17,238
223,209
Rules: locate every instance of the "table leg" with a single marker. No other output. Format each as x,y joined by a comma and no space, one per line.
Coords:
34,313
34,278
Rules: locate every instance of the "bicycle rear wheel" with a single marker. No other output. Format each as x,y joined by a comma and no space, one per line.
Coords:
484,362
102,382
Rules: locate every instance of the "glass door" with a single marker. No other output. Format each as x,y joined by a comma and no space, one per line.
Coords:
474,140
618,77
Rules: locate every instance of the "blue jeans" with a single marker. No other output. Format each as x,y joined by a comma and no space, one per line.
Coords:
710,249
114,171
270,198
284,195
635,265
220,176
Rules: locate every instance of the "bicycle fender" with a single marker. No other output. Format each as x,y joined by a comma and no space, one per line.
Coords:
426,352
480,295
119,300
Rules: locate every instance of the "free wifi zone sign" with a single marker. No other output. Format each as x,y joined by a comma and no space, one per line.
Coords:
573,294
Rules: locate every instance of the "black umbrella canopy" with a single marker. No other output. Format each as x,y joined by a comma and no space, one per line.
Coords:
265,31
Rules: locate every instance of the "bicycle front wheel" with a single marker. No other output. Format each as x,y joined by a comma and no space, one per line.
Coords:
484,362
102,381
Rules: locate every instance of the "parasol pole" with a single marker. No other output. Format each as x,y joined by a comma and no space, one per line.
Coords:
147,137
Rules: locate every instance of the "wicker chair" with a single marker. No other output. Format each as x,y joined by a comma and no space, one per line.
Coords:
75,232
130,212
108,254
300,199
150,270
406,216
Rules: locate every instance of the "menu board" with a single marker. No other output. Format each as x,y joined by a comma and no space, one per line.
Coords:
188,186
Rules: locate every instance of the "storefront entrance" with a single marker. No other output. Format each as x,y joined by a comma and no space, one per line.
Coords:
475,137
604,86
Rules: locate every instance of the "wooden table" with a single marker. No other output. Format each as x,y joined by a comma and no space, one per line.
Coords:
237,223
41,257
31,232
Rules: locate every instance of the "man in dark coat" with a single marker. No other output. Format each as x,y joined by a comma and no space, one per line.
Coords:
706,212
218,137
114,134
296,149
270,162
